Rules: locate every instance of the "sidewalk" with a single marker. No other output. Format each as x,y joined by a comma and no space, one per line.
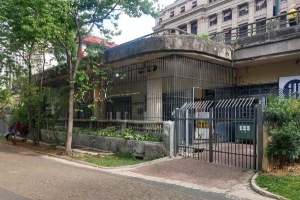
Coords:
189,173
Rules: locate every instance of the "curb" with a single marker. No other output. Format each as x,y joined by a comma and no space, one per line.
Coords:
264,192
93,165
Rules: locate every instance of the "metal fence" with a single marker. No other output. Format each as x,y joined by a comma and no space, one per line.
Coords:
222,131
260,26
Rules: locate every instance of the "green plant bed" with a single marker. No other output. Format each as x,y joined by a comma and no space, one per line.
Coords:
128,134
287,186
109,160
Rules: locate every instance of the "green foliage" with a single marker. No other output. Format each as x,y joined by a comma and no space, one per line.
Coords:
283,117
204,36
128,134
286,186
109,160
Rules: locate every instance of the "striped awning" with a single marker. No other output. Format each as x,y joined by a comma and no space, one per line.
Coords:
213,19
194,4
227,14
212,36
244,8
226,32
195,25
260,3
183,8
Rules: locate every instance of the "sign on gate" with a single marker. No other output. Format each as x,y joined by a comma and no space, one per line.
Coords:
202,125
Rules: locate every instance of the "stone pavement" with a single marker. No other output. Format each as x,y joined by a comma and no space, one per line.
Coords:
34,176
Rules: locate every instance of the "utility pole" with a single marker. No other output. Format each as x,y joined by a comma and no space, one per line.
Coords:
277,7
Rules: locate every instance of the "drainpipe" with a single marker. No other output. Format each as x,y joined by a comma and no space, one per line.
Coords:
277,7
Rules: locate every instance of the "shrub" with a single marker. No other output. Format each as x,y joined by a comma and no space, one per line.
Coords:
283,125
204,35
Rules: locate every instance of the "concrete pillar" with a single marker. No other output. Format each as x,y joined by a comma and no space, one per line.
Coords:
154,95
202,25
270,4
220,21
234,21
188,27
252,7
168,138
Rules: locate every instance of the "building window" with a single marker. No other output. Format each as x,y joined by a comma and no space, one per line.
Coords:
160,21
172,14
212,36
213,20
243,9
194,5
211,1
283,20
227,36
260,4
243,30
182,9
227,14
183,28
194,27
173,32
261,26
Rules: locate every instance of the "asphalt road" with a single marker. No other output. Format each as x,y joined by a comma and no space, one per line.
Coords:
26,175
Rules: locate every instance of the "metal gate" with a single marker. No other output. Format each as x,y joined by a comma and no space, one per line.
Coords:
222,132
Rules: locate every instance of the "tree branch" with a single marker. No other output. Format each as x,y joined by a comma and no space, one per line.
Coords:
99,19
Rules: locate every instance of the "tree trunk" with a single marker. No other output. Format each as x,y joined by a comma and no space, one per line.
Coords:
29,110
39,109
70,120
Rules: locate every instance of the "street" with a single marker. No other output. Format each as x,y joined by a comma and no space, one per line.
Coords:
28,175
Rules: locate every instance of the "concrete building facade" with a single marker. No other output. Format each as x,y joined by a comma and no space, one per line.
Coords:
212,16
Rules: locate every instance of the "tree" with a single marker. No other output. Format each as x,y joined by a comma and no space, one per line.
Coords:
24,33
72,20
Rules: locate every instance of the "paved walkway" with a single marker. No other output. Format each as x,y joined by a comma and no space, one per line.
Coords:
25,174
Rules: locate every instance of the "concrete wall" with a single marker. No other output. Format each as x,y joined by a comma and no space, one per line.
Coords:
268,73
147,150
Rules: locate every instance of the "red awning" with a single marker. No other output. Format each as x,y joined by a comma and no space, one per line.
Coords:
244,8
226,32
227,14
260,3
213,19
182,8
196,25
212,36
195,3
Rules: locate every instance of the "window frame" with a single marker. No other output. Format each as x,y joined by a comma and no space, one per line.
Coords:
211,23
263,6
172,14
229,17
243,12
182,9
194,5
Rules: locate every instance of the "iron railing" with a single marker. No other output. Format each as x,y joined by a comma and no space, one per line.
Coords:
261,26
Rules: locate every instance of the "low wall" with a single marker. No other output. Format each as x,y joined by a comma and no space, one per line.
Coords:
147,150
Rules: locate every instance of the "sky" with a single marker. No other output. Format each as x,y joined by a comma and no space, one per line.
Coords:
133,28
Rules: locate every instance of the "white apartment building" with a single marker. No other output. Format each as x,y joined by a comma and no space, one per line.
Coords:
213,16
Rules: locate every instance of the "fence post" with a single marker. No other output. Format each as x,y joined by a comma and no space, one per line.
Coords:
177,139
211,135
259,135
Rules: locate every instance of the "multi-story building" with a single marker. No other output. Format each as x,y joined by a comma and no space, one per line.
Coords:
212,16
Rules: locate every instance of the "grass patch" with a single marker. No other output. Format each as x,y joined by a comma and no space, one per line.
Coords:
49,148
2,139
109,160
287,186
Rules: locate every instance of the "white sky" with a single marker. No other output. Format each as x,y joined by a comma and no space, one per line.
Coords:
133,28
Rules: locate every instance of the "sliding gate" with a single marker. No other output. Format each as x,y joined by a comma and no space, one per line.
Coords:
222,132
